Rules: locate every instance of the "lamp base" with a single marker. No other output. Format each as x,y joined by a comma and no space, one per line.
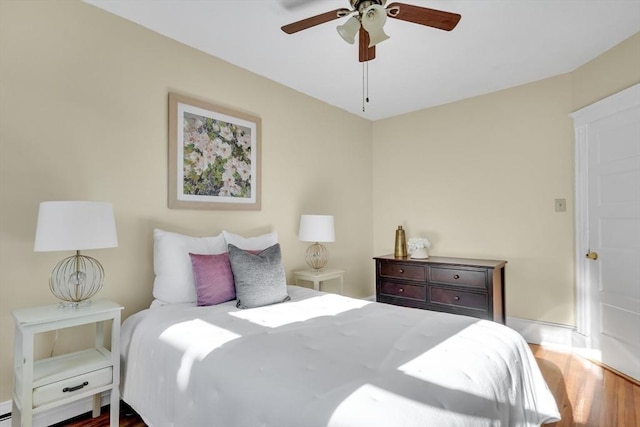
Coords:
72,305
76,279
316,256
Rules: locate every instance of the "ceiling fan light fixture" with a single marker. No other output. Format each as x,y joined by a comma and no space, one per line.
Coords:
373,20
349,29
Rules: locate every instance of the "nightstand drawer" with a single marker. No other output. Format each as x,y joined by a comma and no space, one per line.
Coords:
403,290
70,386
454,297
459,277
40,385
403,271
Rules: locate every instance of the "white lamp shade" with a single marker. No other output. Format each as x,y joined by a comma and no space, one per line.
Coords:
75,226
316,228
373,20
349,29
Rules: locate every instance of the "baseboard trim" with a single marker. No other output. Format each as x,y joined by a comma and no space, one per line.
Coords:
5,414
55,415
544,333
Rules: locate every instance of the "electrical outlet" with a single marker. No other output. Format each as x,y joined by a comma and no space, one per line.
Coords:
561,205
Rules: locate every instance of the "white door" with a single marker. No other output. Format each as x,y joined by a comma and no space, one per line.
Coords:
609,241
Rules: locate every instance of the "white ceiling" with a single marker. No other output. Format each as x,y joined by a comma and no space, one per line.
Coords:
497,44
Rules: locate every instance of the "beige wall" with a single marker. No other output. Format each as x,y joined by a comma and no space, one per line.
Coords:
479,178
83,115
609,73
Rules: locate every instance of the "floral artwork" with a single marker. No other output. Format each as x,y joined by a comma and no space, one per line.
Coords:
216,155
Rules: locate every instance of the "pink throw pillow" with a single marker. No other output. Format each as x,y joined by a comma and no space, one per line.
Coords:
214,278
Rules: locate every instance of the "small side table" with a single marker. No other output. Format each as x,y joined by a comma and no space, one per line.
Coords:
318,277
40,385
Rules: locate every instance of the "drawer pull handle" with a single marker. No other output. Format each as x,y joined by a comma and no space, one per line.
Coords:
401,290
457,298
401,270
78,387
456,276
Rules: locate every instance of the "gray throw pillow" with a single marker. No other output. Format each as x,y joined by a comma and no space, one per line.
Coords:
259,278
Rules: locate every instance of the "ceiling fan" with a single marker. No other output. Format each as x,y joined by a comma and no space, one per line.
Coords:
368,18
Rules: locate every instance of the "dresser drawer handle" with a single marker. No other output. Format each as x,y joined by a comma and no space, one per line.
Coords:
400,290
78,387
401,271
456,276
457,298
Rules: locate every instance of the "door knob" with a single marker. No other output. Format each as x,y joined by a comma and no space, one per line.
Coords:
592,255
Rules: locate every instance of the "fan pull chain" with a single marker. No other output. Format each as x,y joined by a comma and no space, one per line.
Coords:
365,87
367,80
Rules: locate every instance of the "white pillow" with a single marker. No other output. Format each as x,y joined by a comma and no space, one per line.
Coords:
257,243
174,281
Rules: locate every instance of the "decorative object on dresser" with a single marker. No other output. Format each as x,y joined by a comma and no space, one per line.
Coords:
317,228
400,247
75,226
471,287
418,247
44,384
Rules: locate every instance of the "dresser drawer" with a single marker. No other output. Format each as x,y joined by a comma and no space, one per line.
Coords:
403,271
457,298
470,287
403,290
458,277
70,386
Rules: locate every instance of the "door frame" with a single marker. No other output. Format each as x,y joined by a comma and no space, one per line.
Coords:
623,100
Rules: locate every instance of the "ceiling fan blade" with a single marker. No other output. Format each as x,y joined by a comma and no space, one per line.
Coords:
312,21
366,53
421,15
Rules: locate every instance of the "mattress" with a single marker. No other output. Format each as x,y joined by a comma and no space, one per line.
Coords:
328,360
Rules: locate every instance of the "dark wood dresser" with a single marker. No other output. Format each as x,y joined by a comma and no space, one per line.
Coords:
472,287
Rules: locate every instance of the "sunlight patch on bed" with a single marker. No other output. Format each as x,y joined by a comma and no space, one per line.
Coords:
379,402
274,316
195,339
453,351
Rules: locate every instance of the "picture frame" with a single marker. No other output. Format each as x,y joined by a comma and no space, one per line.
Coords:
214,156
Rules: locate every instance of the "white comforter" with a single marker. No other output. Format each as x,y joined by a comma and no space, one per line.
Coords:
327,360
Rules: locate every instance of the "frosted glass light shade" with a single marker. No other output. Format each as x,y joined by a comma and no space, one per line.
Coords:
349,29
373,20
74,226
316,228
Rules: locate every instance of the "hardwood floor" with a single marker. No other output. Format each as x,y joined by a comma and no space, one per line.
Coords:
587,395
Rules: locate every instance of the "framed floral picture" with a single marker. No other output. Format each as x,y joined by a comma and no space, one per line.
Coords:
214,156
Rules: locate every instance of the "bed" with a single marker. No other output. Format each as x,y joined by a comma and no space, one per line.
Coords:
209,353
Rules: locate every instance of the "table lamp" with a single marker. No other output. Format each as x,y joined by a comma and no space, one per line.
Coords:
316,228
75,226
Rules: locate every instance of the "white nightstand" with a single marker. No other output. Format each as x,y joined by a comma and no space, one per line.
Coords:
39,385
322,276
